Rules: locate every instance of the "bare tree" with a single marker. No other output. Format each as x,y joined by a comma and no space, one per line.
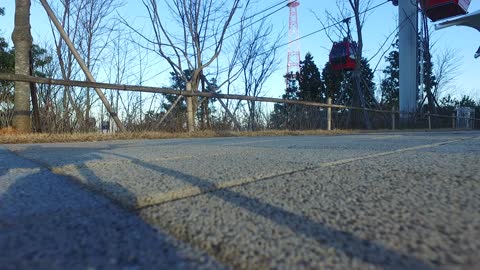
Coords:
22,40
69,10
203,25
96,27
353,9
446,69
259,61
88,24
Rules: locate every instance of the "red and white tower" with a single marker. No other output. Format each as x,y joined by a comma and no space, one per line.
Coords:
293,61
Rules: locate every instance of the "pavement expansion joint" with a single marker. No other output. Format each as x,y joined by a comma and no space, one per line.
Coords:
115,161
157,198
162,198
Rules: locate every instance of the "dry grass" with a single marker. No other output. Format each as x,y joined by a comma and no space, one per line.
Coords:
10,136
8,131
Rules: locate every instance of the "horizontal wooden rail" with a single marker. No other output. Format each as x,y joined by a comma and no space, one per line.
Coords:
163,90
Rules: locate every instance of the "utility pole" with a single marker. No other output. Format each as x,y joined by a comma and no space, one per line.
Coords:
408,48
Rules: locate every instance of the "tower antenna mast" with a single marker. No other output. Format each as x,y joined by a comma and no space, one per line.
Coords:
293,60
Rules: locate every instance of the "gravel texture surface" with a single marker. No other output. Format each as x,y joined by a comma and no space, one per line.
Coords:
372,201
412,210
46,222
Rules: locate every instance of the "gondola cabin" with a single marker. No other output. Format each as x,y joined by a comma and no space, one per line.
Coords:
343,55
442,9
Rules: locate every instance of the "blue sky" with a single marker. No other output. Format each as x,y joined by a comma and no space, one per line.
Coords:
380,23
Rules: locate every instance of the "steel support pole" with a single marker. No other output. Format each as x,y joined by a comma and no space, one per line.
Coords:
453,120
408,48
82,64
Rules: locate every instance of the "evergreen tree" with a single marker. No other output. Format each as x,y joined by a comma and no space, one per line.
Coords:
7,57
308,87
207,108
390,86
291,92
466,101
40,60
311,87
176,119
342,87
448,102
280,118
333,82
7,65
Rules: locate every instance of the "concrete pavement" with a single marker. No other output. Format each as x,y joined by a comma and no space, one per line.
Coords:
377,201
49,222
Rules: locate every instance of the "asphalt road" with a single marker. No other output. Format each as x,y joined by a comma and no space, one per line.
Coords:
376,201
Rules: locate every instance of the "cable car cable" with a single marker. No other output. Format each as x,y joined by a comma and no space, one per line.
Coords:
255,22
400,26
312,33
305,36
332,25
263,11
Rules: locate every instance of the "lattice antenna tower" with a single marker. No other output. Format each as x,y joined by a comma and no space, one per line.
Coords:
293,61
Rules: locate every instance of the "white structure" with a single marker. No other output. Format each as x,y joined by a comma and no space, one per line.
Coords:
470,20
465,117
408,49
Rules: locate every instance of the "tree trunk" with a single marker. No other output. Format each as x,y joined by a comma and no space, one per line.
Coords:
190,113
22,40
252,116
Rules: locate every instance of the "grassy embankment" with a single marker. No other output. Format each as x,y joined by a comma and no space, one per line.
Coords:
11,136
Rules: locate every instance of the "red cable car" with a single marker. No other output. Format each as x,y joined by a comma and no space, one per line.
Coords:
442,9
343,55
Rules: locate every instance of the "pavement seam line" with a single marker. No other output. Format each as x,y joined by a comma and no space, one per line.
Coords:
116,161
142,202
249,142
62,169
162,198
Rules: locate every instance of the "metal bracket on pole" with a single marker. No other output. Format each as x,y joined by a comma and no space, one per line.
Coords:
82,64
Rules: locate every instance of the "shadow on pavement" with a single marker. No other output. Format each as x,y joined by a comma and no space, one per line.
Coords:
364,250
345,242
46,222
